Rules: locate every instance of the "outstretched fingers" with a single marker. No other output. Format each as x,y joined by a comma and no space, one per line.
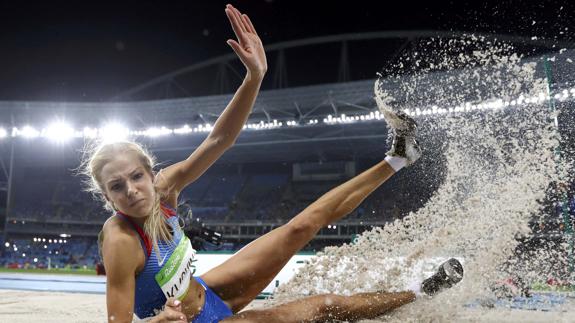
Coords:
248,45
248,23
238,17
234,22
240,26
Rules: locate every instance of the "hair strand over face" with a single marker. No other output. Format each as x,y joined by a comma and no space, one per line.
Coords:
96,156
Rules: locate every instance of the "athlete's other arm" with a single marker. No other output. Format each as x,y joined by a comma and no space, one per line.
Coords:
227,128
118,250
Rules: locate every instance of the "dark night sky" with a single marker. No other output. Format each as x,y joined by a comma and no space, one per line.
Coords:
74,51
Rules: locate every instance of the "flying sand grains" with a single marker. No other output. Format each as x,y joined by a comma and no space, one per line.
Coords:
499,163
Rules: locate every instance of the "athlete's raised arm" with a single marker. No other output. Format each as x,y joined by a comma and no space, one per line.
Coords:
227,128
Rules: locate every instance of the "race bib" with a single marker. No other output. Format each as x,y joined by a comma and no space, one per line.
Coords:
174,277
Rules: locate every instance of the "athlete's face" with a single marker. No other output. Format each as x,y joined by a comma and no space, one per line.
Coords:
128,185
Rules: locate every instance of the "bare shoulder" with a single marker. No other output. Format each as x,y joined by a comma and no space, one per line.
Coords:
116,228
121,245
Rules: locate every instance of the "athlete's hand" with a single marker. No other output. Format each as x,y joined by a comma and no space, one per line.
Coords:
172,313
249,47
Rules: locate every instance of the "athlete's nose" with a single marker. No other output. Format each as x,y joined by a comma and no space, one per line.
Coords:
132,191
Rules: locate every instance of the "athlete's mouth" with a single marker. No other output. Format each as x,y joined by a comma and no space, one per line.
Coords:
138,201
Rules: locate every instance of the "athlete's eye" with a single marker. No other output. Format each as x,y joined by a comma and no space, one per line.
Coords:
138,176
116,187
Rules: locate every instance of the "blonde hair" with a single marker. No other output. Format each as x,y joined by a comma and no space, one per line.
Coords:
96,156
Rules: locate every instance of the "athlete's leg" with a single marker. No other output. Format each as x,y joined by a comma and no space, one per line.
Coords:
327,308
330,307
242,277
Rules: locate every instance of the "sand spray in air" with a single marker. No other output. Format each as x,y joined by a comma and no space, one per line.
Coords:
498,163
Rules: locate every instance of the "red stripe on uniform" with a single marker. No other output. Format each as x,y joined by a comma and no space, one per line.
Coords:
168,213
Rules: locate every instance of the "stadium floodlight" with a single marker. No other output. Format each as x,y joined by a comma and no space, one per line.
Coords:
59,132
204,128
90,133
35,259
28,132
65,235
23,255
113,132
78,134
156,132
186,129
7,244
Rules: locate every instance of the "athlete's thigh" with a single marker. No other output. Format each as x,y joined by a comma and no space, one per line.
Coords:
242,277
298,311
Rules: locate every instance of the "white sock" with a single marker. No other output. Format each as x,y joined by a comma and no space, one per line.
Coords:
415,287
395,162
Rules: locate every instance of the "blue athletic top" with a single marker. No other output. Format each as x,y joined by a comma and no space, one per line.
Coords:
167,274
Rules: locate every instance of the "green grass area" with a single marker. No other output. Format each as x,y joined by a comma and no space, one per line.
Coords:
64,271
543,287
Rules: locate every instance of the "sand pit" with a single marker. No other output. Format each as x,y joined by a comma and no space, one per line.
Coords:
52,307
